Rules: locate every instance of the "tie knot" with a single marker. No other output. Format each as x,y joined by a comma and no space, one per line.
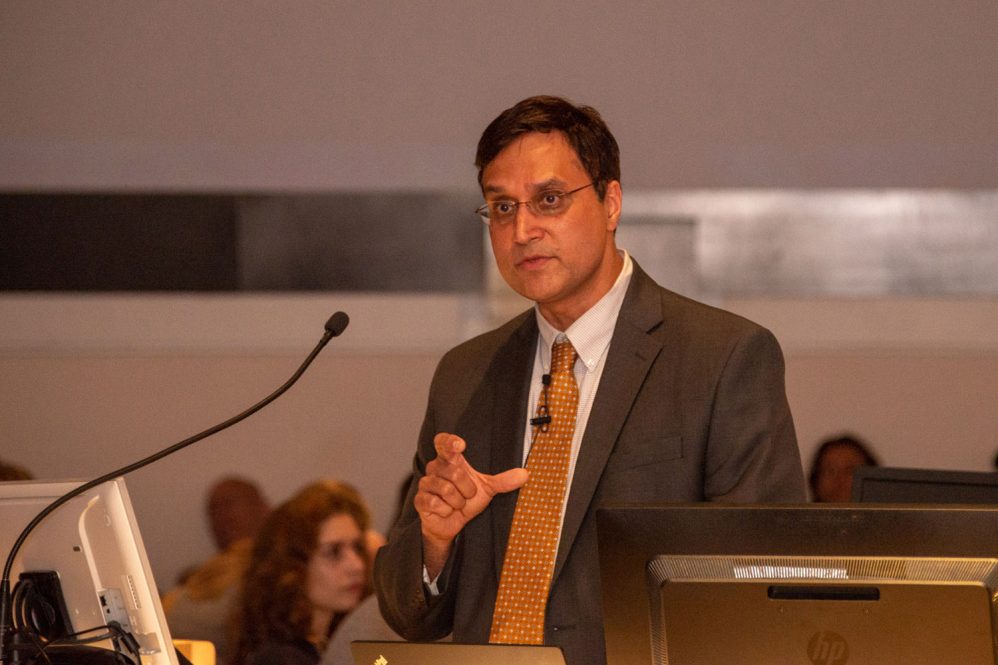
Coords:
563,357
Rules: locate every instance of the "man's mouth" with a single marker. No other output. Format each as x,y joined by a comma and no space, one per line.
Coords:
533,262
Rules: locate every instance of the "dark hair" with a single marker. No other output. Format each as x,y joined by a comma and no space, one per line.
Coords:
582,126
14,472
273,603
841,441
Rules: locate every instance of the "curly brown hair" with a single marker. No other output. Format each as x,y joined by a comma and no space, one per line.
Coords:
273,604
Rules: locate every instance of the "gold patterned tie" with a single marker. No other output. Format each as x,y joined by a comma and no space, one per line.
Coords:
533,540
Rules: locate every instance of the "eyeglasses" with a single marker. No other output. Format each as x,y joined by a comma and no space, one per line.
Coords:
549,203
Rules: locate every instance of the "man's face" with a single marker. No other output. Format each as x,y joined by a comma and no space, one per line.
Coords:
838,464
564,263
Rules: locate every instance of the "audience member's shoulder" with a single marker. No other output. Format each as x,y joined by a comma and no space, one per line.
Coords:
297,653
363,623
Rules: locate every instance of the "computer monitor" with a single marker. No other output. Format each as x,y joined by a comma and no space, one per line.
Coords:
799,584
882,484
94,546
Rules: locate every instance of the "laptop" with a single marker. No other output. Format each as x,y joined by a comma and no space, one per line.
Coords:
447,653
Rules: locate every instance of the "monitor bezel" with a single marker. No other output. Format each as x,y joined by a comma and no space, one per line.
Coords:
884,484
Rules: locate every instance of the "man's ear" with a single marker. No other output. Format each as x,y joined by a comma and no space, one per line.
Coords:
612,202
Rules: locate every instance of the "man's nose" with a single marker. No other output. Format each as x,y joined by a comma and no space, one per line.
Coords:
527,224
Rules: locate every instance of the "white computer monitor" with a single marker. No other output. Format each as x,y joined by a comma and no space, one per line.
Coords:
93,544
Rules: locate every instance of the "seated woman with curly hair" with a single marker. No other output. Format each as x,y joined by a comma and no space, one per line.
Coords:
309,567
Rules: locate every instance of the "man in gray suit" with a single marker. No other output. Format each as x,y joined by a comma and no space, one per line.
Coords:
677,401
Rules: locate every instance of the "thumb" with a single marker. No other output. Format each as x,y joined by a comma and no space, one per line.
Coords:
509,480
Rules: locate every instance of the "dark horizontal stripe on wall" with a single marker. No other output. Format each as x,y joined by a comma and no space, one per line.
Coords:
97,242
227,242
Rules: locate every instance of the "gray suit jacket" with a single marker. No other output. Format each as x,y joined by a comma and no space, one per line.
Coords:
691,407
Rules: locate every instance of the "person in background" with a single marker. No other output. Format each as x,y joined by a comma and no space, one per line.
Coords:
236,509
365,621
833,467
308,568
10,471
199,607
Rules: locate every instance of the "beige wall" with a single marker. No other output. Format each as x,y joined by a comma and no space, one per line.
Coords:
923,410
226,94
917,378
352,417
233,95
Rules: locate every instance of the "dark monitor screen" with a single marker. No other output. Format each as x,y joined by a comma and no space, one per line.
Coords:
811,583
894,485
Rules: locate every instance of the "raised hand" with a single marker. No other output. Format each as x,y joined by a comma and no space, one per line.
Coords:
451,494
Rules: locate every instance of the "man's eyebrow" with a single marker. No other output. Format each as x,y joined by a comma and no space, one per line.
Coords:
550,183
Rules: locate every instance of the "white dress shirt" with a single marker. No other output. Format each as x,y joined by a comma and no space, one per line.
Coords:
590,335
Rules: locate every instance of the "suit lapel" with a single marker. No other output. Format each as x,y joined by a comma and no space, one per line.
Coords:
513,366
631,354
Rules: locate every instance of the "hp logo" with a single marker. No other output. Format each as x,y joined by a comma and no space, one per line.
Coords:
827,648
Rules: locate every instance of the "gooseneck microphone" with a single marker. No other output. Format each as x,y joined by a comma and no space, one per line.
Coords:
335,326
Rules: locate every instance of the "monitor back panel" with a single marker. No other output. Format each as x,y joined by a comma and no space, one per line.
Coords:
741,623
632,535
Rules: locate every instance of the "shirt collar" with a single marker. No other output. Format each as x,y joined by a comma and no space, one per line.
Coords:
590,334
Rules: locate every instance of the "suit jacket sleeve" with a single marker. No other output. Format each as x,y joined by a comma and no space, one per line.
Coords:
752,453
477,385
471,382
405,603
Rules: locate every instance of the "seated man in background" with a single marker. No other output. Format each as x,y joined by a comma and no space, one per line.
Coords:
834,465
199,607
236,509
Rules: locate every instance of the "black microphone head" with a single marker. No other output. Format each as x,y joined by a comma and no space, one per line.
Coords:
337,323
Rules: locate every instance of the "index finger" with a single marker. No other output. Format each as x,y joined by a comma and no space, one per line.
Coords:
448,446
